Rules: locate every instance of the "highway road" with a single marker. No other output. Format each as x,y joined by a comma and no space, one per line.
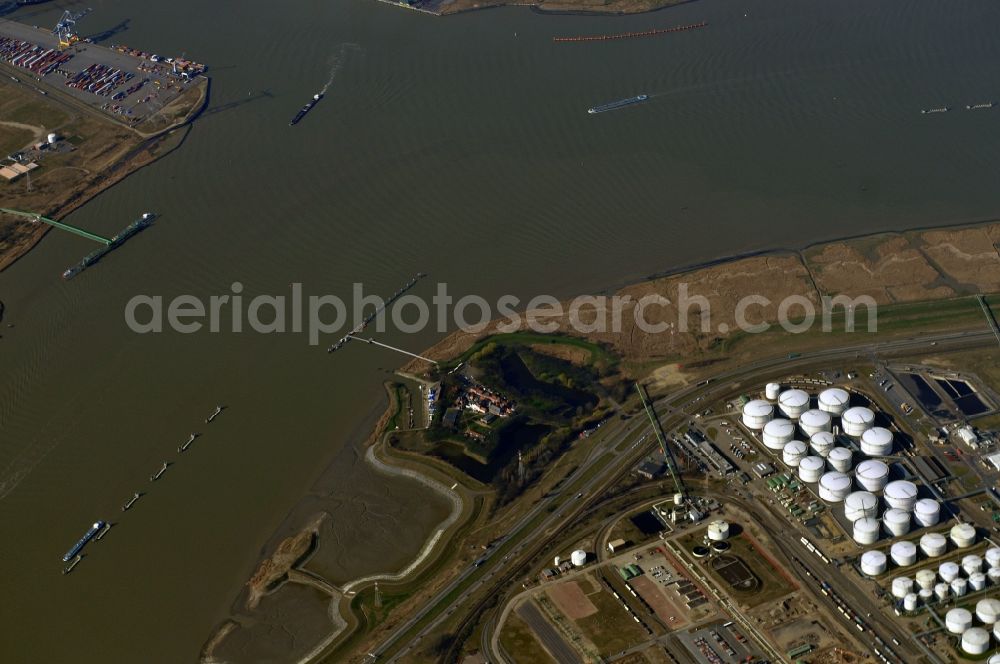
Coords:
521,544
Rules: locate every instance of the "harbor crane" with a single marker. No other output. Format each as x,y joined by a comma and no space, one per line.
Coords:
64,29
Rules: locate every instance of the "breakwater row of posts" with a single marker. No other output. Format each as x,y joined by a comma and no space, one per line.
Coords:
101,528
631,35
366,321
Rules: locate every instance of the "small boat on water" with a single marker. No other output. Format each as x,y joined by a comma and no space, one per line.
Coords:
305,109
943,109
614,105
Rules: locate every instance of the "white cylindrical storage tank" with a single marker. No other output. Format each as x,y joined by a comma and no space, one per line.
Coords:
578,558
857,420
901,587
877,441
718,530
975,641
903,554
860,504
839,459
834,487
993,574
972,564
756,414
949,571
52,138
872,475
793,403
814,421
993,556
963,535
995,659
926,595
941,591
866,530
834,400
933,545
771,391
897,522
988,610
977,581
926,579
901,494
811,469
959,587
821,443
873,563
927,512
910,602
958,620
793,453
777,434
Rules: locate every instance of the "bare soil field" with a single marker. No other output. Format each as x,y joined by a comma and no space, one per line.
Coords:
571,600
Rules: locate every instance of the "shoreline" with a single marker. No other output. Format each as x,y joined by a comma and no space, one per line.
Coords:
147,152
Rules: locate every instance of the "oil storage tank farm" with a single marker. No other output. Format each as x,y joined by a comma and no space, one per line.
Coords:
793,403
857,420
903,554
897,523
927,512
873,563
834,400
811,469
934,545
876,441
872,475
834,487
777,434
757,413
815,421
860,504
840,459
821,443
901,494
866,530
793,453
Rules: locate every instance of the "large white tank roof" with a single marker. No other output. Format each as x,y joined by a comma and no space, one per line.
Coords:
958,620
771,391
873,563
834,400
793,453
903,553
877,441
933,544
901,494
811,469
897,522
834,487
988,610
975,641
793,402
822,442
866,530
872,475
840,459
927,512
963,535
777,433
578,558
814,421
860,504
757,413
857,420
949,571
